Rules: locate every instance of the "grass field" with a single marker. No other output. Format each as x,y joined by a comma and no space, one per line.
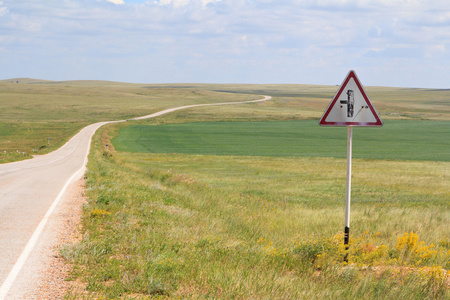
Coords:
208,226
200,204
33,111
248,225
397,139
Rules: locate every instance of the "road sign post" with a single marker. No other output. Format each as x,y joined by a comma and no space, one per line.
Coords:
350,107
348,189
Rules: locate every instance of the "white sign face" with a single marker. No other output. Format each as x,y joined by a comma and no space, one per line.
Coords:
350,106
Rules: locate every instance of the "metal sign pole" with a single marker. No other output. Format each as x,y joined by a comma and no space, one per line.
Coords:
348,191
354,109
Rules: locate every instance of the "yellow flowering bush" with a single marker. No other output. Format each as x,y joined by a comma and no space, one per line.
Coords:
366,251
412,251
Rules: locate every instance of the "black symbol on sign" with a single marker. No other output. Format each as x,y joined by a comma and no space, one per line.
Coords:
350,103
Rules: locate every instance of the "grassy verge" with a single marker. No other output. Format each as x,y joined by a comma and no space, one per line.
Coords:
203,226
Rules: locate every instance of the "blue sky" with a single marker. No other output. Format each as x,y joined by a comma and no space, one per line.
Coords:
402,43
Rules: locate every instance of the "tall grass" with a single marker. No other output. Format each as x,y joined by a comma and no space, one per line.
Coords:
200,226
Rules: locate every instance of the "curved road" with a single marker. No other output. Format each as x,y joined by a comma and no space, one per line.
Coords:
29,193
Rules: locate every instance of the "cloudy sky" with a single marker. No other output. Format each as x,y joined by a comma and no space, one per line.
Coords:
387,42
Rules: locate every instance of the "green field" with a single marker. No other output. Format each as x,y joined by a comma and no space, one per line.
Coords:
397,139
246,201
33,111
237,227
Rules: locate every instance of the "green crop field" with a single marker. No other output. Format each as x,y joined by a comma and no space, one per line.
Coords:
397,139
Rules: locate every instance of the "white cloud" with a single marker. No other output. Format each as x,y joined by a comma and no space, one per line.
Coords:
116,1
433,51
206,2
181,3
3,9
175,3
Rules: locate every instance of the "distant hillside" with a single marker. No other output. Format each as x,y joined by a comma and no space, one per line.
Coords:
25,80
71,82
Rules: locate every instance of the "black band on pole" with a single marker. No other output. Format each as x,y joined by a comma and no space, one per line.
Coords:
346,240
346,236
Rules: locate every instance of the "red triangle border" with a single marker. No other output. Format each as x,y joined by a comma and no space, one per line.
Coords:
351,75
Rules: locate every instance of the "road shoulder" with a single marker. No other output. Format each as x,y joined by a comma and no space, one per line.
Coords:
65,225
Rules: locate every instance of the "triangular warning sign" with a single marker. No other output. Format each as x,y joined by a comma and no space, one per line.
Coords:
350,106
